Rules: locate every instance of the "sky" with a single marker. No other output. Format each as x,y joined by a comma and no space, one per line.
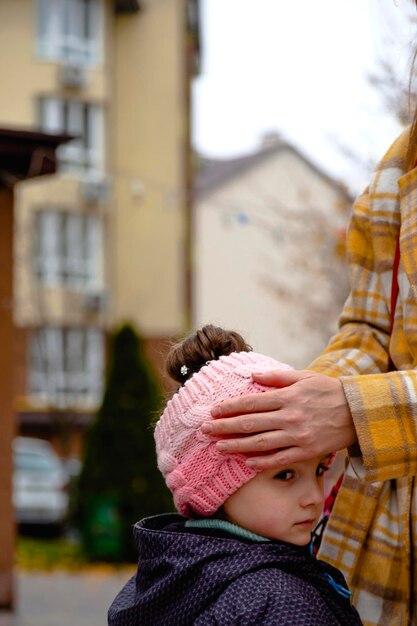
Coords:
301,68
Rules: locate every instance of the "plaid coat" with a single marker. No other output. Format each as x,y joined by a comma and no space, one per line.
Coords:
372,533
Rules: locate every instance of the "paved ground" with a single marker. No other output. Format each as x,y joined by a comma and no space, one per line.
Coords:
63,599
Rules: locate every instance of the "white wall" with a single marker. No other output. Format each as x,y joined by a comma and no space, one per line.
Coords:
264,258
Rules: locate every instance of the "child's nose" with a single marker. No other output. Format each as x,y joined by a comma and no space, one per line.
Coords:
312,494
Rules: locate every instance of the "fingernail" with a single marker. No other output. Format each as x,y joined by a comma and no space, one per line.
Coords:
222,446
207,428
251,463
258,374
216,411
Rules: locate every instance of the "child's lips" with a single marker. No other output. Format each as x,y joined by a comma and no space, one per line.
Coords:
307,523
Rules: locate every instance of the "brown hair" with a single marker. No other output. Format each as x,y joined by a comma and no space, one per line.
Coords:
207,344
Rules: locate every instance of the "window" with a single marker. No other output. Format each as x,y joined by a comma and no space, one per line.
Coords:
66,366
69,30
69,250
82,120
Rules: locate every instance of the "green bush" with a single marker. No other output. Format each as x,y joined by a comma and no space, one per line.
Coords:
119,469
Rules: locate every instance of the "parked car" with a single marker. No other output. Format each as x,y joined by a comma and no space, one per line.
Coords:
40,484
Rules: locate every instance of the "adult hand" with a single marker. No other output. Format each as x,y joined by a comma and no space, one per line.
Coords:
305,416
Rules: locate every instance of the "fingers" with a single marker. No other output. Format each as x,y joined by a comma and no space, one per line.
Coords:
252,403
279,378
252,423
279,459
262,442
258,402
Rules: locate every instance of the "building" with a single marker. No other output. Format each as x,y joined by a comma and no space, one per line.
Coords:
269,241
107,238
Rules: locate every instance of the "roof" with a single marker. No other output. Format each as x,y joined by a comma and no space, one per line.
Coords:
27,153
216,172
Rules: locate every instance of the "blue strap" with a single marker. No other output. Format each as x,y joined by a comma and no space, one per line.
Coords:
340,589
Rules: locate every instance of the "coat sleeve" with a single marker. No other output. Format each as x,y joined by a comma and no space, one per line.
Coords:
383,405
256,600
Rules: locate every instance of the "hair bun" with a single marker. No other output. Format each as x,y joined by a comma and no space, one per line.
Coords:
208,344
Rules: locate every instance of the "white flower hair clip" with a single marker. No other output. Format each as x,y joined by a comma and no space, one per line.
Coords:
184,370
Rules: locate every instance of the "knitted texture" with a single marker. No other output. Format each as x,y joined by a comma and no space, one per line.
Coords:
200,477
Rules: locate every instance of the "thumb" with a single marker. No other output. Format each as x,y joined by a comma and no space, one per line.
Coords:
279,378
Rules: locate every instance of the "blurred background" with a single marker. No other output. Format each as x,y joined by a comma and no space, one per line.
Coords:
163,164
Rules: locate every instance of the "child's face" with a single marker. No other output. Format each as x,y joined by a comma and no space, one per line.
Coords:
284,504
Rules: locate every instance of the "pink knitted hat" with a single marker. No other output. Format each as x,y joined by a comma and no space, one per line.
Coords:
200,477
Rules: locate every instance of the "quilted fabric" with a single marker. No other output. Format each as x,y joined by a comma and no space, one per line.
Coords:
187,578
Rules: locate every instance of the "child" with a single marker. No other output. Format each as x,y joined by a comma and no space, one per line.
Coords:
239,553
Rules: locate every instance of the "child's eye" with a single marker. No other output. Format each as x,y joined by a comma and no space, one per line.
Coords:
285,475
321,470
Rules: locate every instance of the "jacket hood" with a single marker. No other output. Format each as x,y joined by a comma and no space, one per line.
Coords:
185,569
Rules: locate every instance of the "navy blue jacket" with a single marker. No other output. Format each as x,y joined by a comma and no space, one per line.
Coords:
195,577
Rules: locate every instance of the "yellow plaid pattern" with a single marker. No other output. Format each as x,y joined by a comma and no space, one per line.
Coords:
372,533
